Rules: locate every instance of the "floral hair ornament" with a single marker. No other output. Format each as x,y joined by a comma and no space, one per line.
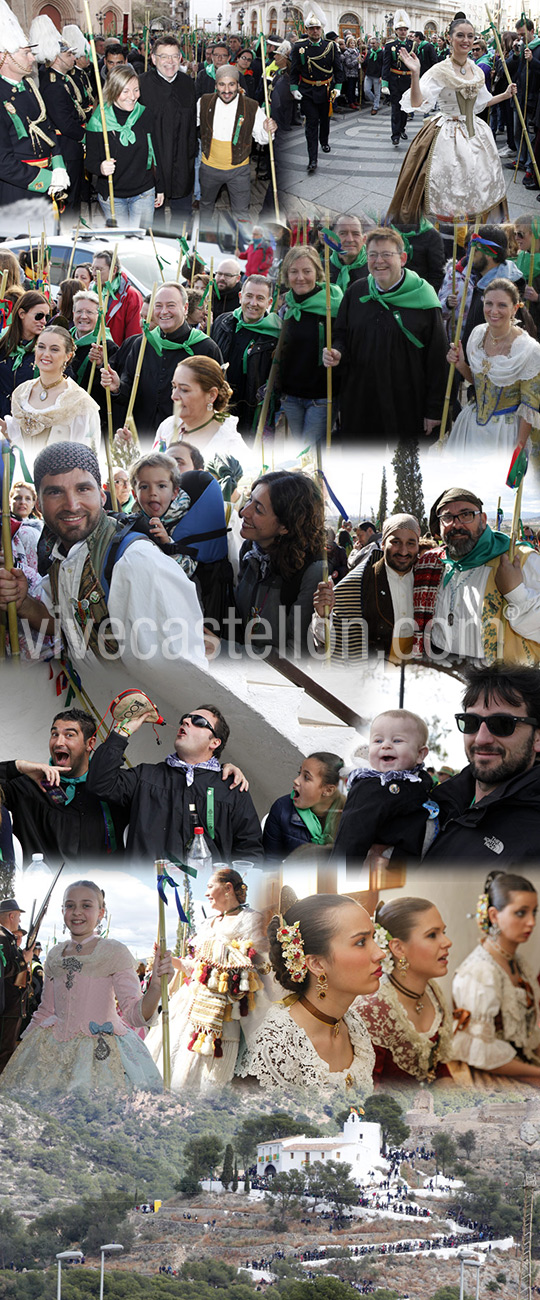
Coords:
382,938
290,941
482,918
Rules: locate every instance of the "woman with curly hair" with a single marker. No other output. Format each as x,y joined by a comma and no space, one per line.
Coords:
302,373
497,1007
323,951
408,1021
281,559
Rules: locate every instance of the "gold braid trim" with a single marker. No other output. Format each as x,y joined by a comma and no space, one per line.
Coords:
77,97
34,129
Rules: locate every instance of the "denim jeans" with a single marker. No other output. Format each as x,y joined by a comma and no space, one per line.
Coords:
137,212
306,416
372,90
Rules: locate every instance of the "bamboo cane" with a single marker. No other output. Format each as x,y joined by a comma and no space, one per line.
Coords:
267,107
70,266
112,221
105,305
516,101
7,548
326,615
160,269
457,337
3,286
181,254
185,925
525,116
129,413
454,258
329,345
516,516
110,428
269,389
165,1028
147,38
209,298
236,243
530,276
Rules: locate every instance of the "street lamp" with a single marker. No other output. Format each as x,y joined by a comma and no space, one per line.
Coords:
110,1249
69,1256
241,16
471,1261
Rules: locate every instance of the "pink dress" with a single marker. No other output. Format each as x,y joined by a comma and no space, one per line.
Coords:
77,1041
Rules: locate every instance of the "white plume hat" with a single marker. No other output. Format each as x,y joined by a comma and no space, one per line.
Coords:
75,40
315,16
46,38
12,37
401,19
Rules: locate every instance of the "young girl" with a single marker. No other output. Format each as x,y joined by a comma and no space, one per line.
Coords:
77,1039
310,813
408,1021
155,483
497,1010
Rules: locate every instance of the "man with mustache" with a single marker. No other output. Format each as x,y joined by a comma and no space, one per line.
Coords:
490,812
470,600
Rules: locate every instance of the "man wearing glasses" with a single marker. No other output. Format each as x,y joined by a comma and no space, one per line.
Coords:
470,600
165,801
490,812
389,341
171,96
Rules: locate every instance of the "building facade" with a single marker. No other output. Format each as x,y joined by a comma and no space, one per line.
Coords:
367,19
358,1145
107,19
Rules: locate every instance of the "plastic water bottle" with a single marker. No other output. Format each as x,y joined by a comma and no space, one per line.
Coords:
199,856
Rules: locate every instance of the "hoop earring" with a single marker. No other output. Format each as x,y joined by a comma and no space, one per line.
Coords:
322,985
403,964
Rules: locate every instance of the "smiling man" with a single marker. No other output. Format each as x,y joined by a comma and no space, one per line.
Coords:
230,121
52,811
470,600
247,338
372,607
490,812
165,801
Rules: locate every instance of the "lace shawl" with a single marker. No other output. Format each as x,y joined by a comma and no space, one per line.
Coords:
417,1053
281,1055
499,1025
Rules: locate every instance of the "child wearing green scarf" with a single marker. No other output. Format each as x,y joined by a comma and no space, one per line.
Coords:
310,813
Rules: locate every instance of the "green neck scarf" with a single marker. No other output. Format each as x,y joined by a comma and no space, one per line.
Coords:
412,292
269,324
312,823
19,353
125,131
315,305
345,268
86,341
69,784
488,546
523,262
161,344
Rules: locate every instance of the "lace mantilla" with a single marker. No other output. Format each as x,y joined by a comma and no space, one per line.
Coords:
389,1026
498,1008
282,1056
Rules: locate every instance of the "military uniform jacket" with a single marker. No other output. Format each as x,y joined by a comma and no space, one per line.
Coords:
64,104
26,133
12,964
314,65
83,82
394,73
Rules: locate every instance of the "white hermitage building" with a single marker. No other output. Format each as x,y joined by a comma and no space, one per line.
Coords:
359,1145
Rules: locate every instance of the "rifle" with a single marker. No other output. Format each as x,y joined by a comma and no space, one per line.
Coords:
35,924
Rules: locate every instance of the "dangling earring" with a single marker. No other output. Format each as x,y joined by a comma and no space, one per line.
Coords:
209,406
403,964
494,930
64,928
322,985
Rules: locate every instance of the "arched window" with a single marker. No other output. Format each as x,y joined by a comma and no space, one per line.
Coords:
272,22
54,14
349,23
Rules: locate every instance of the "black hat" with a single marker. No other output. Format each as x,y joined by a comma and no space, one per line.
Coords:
10,905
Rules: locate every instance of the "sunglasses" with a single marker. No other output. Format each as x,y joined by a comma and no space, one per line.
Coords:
499,724
41,315
198,721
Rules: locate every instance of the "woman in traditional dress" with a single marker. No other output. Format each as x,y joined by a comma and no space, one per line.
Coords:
133,166
77,1040
223,999
324,952
28,320
494,993
52,408
408,1021
452,168
202,395
503,363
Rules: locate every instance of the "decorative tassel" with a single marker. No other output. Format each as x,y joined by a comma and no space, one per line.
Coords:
244,982
192,1041
229,1009
223,985
244,1006
235,1010
218,1050
207,1048
213,981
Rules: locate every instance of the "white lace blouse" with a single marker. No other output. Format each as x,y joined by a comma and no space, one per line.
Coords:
500,1024
281,1055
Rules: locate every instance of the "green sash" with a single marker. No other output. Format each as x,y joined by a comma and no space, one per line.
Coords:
160,344
315,305
125,131
345,268
312,823
413,292
489,545
88,340
269,325
523,262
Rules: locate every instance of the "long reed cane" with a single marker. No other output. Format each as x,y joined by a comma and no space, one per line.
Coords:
112,221
165,1027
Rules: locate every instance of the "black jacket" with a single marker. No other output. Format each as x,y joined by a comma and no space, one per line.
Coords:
284,831
156,799
502,830
84,829
153,402
233,343
173,105
384,814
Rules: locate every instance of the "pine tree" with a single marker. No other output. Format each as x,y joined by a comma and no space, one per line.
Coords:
234,1186
227,1173
247,1182
7,880
383,500
409,498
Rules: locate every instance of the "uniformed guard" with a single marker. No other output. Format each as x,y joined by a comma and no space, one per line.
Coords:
31,161
75,40
63,100
14,979
315,65
395,77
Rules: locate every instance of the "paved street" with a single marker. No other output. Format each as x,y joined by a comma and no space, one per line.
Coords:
360,173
